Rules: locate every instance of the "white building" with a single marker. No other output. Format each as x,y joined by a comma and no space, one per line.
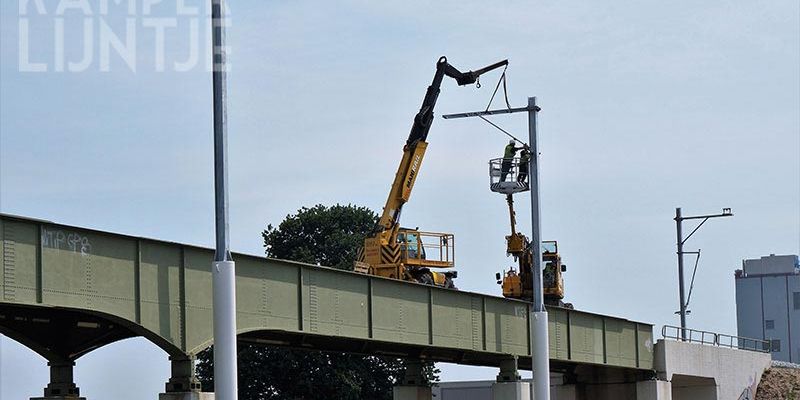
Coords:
768,303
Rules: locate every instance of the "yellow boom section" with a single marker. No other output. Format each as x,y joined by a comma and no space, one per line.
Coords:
403,183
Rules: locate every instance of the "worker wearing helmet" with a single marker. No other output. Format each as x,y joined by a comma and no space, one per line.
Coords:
524,161
508,159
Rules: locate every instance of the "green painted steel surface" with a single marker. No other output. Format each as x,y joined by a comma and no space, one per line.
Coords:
162,291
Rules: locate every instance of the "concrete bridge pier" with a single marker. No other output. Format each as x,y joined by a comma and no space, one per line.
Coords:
509,385
62,385
183,384
413,385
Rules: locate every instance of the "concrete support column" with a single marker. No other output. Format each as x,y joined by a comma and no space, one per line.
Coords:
183,384
508,385
183,378
508,371
653,390
62,385
511,391
413,385
563,392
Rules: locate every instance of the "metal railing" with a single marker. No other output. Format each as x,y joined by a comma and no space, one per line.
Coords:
508,170
427,246
715,339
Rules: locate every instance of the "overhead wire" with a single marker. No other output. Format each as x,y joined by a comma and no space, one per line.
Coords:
501,129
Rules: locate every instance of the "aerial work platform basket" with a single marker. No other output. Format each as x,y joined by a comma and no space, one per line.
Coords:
508,176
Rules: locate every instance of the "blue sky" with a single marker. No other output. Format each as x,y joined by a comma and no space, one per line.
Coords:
647,106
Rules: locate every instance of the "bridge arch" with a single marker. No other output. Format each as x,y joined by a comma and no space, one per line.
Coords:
61,334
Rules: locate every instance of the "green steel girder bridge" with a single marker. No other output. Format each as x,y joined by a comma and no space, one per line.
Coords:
65,291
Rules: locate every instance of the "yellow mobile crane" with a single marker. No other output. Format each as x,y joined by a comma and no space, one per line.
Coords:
409,254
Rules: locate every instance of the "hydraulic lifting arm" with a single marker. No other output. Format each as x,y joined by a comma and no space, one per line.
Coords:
414,149
517,283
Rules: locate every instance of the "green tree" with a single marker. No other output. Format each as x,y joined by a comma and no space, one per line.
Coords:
328,236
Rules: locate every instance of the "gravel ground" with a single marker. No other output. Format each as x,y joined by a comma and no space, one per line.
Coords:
779,383
784,364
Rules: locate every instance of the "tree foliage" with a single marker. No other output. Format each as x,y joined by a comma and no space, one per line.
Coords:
272,373
327,236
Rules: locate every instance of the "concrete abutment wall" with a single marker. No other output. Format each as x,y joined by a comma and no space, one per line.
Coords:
697,371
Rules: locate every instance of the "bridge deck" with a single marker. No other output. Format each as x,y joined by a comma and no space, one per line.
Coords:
66,290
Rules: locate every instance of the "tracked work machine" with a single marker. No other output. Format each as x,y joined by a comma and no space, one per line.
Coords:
410,254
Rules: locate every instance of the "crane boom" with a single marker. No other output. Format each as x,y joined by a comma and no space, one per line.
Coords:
409,254
414,149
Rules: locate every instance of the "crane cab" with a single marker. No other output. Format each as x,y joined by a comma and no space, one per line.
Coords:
413,255
508,176
553,280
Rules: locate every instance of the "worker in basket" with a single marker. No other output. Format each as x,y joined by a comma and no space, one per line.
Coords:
508,159
524,162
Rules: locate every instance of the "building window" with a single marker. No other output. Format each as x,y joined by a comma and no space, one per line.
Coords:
775,345
796,299
769,324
